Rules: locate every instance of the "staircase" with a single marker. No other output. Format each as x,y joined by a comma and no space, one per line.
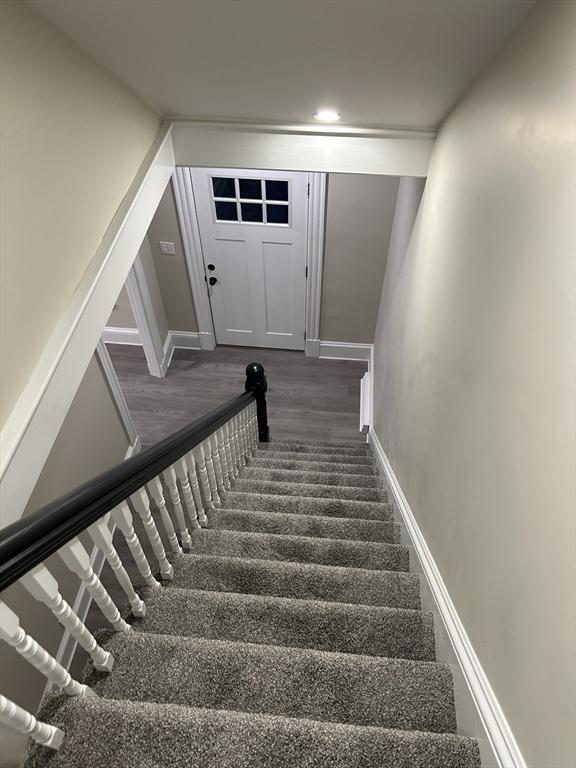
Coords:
290,635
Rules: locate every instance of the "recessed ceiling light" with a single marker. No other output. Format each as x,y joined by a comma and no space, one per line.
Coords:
327,115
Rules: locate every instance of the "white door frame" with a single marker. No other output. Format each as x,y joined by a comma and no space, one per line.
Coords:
186,207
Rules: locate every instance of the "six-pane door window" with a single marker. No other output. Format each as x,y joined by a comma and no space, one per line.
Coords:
251,201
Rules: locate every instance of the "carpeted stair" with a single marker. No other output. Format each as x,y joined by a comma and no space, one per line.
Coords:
291,636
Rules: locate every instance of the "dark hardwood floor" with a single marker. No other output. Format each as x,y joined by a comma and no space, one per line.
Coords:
307,398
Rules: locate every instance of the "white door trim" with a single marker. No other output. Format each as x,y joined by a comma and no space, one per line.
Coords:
315,258
32,426
186,208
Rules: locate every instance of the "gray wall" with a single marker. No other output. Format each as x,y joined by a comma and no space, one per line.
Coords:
474,375
122,315
91,439
171,270
359,212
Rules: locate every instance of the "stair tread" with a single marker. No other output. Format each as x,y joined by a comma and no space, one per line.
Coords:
267,460
298,580
302,549
328,626
298,682
306,525
303,476
302,504
125,734
312,490
304,446
338,458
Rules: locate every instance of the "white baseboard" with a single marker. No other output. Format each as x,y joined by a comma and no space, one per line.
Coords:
344,350
68,644
121,336
180,340
479,713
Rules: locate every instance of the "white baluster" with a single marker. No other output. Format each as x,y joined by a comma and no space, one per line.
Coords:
210,470
254,426
203,475
236,442
24,722
242,436
102,537
218,472
198,503
76,558
157,493
13,634
230,459
220,438
40,583
122,516
182,472
142,506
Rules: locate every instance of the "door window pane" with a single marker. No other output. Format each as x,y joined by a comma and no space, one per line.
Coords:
223,187
276,190
251,211
226,211
277,214
251,189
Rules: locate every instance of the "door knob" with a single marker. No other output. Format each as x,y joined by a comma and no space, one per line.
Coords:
211,267
212,281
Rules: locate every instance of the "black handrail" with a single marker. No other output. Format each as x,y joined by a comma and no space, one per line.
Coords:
29,541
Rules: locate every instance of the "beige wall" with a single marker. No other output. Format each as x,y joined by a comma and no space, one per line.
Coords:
71,141
171,269
474,379
91,439
359,212
153,285
122,315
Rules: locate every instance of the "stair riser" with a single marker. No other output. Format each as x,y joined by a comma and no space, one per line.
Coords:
312,491
359,690
395,589
394,633
306,525
364,470
364,510
262,546
323,478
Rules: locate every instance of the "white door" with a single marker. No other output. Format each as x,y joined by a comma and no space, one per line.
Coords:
253,227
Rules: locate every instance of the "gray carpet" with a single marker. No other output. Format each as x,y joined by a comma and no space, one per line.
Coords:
291,636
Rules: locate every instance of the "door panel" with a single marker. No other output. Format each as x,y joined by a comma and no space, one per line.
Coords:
253,230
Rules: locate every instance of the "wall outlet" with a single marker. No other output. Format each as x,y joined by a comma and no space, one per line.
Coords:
167,247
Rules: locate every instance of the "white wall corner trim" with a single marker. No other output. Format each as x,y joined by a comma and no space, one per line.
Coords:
497,741
34,422
129,336
118,396
345,350
179,340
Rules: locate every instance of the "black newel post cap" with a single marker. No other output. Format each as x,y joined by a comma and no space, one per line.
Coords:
255,377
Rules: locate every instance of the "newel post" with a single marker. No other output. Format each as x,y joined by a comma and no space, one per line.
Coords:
256,382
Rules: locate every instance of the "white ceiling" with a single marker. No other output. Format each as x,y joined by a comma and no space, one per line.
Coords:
387,63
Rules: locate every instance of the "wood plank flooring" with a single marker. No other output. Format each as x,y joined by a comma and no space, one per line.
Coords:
307,398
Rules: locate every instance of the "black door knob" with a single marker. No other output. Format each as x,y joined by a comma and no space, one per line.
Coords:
212,281
211,267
